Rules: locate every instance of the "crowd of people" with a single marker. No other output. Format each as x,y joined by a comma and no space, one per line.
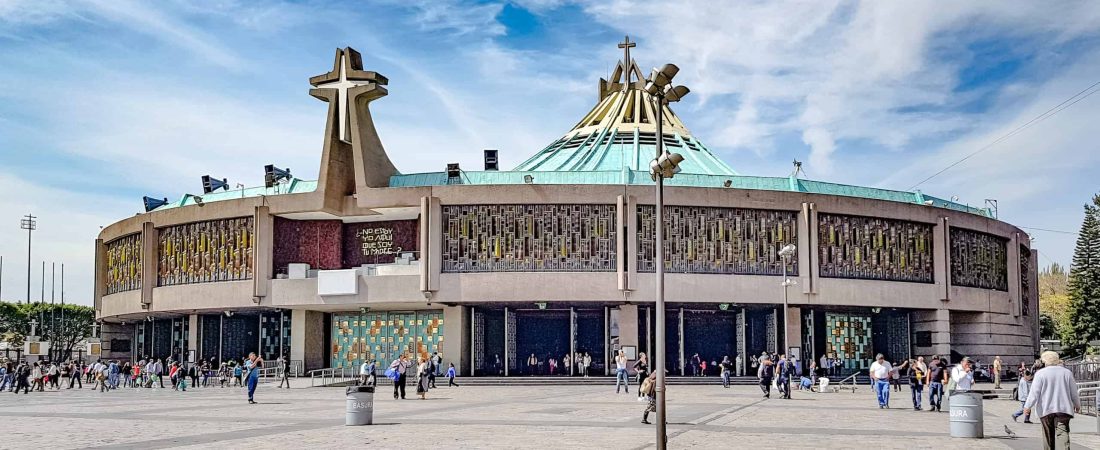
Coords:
148,373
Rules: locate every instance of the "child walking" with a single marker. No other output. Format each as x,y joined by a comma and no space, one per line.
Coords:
451,376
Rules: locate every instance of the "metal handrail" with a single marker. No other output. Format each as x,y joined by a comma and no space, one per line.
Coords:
854,383
327,375
1095,390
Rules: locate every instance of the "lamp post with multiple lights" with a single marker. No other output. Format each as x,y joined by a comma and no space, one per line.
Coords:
664,165
28,223
786,252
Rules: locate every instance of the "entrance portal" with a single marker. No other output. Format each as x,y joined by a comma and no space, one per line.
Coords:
544,334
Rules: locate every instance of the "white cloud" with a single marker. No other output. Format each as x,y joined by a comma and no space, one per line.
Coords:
848,65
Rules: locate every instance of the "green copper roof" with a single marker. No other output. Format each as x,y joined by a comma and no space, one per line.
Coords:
612,150
294,186
637,177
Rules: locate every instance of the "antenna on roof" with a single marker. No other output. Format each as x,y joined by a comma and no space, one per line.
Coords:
797,169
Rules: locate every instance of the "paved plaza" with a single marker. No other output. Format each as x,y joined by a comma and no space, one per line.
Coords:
492,417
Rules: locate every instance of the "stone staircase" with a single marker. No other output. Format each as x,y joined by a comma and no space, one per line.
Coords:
863,381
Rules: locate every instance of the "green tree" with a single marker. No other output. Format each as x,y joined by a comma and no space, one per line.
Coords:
64,326
1054,302
1047,328
1084,283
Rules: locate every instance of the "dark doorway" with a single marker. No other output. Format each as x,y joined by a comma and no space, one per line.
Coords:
488,342
590,337
544,334
712,335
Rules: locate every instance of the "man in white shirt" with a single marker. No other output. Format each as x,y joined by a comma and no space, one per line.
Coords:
880,378
963,376
1053,394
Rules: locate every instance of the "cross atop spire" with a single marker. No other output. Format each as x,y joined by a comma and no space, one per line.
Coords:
626,45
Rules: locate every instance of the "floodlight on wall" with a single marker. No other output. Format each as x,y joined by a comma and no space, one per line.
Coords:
929,202
724,306
541,305
228,313
211,184
728,183
153,203
787,250
528,179
274,174
197,199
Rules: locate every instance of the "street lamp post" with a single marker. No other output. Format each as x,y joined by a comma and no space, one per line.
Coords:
786,253
664,165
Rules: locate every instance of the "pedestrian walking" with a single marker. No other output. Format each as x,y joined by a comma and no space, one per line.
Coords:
22,378
620,373
937,378
285,364
256,364
997,372
437,363
586,362
423,370
649,390
726,368
641,371
1021,396
1053,396
451,376
765,374
397,373
880,377
917,379
36,376
896,375
785,370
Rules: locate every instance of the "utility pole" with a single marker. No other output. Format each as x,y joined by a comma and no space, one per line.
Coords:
53,310
28,223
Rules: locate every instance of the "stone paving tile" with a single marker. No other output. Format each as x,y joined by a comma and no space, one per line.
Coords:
492,417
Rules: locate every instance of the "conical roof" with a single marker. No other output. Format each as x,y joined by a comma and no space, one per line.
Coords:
620,133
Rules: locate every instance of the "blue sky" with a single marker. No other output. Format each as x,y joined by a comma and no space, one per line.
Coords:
103,101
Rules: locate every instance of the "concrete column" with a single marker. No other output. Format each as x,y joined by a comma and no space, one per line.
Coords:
425,213
456,338
435,244
941,263
628,326
99,284
193,336
307,336
1015,303
807,248
793,328
149,261
620,243
263,248
937,323
631,230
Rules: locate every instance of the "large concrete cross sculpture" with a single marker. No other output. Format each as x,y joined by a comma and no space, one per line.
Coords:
353,159
347,72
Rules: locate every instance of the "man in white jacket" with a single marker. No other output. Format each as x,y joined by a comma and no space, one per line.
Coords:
1053,395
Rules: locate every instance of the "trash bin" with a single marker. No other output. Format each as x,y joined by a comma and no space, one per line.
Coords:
360,409
966,415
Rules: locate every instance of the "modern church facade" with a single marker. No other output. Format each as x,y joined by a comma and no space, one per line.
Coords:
557,257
